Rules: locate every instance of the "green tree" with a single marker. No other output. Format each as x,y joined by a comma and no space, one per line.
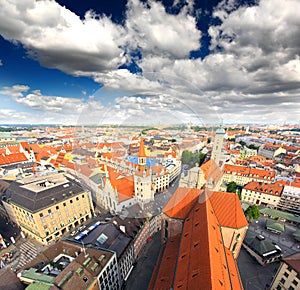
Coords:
253,212
187,157
239,194
231,187
242,143
251,146
200,158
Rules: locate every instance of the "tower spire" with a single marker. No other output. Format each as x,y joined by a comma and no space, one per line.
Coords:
142,154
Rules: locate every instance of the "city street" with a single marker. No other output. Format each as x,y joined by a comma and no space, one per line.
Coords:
8,229
253,275
141,274
285,241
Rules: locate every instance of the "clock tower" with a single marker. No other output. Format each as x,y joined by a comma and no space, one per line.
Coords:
142,178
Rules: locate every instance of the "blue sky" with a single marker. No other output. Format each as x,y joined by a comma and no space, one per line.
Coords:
143,62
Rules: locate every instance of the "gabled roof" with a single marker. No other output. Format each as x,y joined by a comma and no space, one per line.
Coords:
266,188
248,172
12,158
211,171
167,265
293,261
202,262
181,202
228,209
124,184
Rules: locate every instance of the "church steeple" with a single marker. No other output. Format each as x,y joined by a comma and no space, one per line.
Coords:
142,154
218,144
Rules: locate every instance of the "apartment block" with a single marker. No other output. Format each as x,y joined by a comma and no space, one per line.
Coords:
288,274
267,194
46,207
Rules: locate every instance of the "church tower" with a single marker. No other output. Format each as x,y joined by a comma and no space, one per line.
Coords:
142,178
218,145
142,154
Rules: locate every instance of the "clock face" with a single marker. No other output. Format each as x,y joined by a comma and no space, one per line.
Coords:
138,179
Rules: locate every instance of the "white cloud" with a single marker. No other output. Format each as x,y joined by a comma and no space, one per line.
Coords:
14,91
58,38
39,108
1,63
155,32
253,70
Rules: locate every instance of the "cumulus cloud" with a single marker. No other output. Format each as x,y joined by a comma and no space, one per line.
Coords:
58,38
40,108
253,68
153,31
15,91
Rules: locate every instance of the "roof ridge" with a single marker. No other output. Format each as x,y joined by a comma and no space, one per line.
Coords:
208,235
223,248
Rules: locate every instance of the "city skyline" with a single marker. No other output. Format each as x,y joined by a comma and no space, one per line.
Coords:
149,62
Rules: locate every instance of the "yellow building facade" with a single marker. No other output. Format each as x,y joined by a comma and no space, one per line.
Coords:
46,215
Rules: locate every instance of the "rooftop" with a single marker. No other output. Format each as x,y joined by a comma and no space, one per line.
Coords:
293,261
261,246
35,193
228,209
181,202
107,236
69,275
202,262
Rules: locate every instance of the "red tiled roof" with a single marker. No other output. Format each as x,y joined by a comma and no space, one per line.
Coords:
157,168
25,145
124,184
266,188
228,209
181,202
248,172
166,269
142,152
13,149
12,158
233,270
203,261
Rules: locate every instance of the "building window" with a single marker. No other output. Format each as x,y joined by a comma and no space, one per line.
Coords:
71,201
64,204
41,214
57,207
49,210
295,282
282,280
286,274
291,288
85,279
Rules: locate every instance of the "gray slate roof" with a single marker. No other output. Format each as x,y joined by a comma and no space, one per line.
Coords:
34,201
